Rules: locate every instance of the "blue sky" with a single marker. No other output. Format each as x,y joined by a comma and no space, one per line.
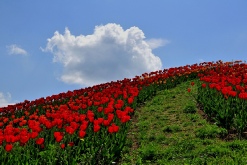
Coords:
48,47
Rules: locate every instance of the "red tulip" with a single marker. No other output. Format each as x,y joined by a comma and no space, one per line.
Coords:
204,85
130,100
113,128
62,146
106,122
24,139
58,136
71,144
189,89
81,134
8,147
40,141
96,128
125,118
69,130
34,135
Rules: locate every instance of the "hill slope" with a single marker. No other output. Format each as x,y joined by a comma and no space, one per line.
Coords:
169,129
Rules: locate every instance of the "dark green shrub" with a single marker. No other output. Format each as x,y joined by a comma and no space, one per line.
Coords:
190,109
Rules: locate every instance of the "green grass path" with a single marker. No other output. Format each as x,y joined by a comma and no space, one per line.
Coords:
169,130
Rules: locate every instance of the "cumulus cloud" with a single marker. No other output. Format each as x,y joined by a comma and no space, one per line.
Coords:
5,99
109,54
155,43
14,49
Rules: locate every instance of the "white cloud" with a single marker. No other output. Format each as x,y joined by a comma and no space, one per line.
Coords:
5,99
14,49
109,54
155,43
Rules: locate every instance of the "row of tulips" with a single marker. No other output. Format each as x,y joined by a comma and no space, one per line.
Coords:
87,126
223,94
80,126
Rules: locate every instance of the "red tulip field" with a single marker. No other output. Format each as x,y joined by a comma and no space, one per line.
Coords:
90,125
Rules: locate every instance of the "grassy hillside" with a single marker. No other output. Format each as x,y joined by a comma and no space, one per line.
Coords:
170,129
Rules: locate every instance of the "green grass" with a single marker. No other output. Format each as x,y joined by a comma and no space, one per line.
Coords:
168,129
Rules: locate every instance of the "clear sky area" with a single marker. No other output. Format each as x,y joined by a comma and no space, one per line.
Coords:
52,46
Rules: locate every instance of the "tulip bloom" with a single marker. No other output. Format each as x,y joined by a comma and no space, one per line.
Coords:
40,141
58,136
62,146
81,134
8,147
189,89
71,144
96,128
113,128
